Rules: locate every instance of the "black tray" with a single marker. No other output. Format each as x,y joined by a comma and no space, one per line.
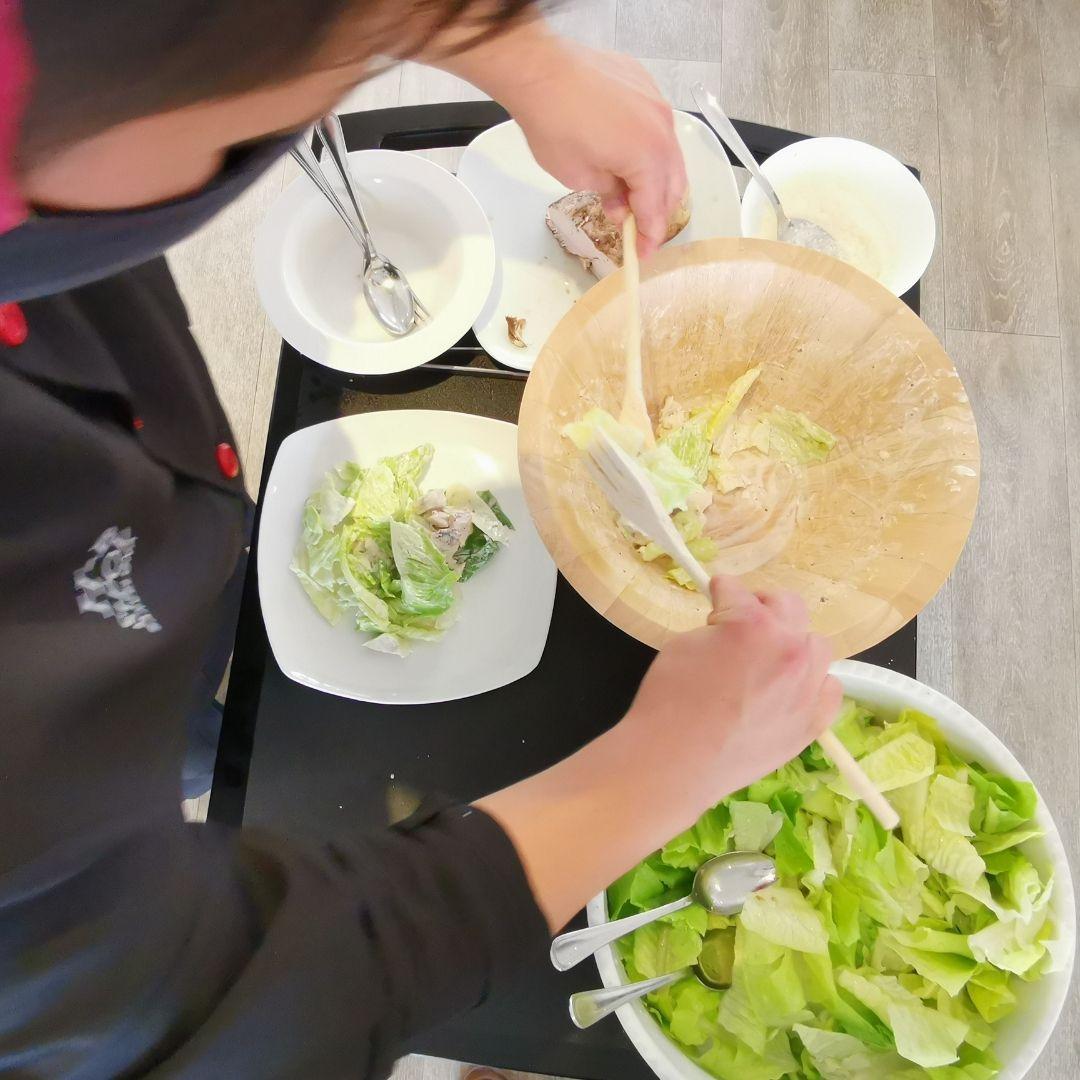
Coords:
307,763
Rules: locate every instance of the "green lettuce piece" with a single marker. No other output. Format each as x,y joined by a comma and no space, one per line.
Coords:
925,809
582,432
796,439
990,992
674,482
943,958
850,727
1002,804
784,917
709,836
660,948
987,844
693,1016
692,442
477,551
897,763
754,825
838,1056
727,1058
427,580
923,1034
1014,944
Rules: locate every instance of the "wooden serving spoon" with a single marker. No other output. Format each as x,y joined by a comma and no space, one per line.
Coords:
635,413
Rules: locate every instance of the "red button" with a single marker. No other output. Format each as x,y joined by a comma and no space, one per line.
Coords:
137,423
13,328
227,461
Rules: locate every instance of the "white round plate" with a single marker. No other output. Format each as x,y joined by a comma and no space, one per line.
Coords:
503,613
869,201
424,220
1021,1036
535,279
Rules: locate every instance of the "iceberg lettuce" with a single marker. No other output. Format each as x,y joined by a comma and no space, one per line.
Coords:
878,955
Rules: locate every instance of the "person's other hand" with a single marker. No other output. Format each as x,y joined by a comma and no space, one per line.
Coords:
739,697
597,122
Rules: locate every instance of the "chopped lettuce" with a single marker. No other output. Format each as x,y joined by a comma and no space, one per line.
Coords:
377,549
691,460
877,956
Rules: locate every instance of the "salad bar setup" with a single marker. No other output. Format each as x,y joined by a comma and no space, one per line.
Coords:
496,478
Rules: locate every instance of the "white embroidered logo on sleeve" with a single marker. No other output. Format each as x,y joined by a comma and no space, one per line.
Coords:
103,583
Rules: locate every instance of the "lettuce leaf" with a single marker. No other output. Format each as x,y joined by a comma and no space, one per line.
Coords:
878,954
364,553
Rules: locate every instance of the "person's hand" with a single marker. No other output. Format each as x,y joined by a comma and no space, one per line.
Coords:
597,122
739,697
720,707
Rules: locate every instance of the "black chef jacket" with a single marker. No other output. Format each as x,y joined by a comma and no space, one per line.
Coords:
130,943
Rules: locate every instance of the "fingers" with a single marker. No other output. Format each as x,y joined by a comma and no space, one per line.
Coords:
614,205
788,607
648,198
830,698
731,601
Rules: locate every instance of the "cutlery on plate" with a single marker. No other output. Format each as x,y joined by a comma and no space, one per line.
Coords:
791,230
635,413
631,494
388,293
721,886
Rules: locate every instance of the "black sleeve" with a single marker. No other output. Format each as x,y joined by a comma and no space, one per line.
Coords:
354,947
132,944
194,951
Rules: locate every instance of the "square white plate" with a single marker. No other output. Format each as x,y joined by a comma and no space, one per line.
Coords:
504,611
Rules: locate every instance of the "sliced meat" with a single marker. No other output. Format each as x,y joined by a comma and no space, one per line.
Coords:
579,224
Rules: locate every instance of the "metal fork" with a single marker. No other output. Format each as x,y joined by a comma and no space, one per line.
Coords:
631,494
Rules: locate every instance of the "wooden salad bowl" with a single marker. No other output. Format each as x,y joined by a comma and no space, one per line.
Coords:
880,523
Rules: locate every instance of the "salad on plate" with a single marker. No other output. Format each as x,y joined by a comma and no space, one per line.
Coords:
877,955
390,556
727,472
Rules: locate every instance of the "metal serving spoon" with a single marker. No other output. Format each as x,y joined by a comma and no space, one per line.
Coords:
388,294
589,1006
791,230
721,886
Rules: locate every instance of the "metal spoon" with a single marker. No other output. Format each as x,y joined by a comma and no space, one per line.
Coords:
791,230
387,292
589,1006
721,886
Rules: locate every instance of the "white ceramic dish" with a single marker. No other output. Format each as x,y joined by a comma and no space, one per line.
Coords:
535,279
868,200
424,219
1021,1036
503,613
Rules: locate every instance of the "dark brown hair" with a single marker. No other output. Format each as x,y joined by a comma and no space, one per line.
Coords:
99,63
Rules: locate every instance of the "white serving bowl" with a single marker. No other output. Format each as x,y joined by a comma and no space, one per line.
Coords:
869,201
1021,1037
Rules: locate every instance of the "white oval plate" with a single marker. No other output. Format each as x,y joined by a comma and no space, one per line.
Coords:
1021,1036
424,220
535,279
503,613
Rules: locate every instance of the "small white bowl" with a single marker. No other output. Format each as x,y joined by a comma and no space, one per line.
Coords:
424,220
870,202
1020,1037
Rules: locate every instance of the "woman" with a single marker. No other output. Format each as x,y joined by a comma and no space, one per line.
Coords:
132,944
